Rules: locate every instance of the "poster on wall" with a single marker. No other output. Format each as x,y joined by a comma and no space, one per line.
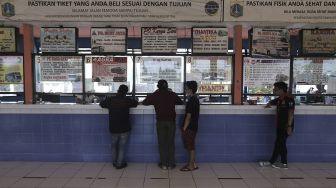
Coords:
153,69
11,69
111,40
209,40
265,72
270,42
209,68
319,41
313,70
159,40
61,68
116,10
291,11
58,39
109,69
7,39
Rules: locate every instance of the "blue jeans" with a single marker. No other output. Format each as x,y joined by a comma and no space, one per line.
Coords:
119,142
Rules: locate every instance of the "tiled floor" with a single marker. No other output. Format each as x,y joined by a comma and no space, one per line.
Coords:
209,175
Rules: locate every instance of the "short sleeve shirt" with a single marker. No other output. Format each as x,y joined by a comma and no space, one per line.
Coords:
193,107
284,106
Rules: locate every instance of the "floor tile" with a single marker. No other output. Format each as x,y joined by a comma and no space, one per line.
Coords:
105,183
79,183
53,182
27,183
207,183
236,183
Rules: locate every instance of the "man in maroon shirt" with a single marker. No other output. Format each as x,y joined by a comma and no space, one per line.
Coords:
164,102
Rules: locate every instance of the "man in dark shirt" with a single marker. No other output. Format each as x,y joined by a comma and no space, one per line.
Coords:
119,123
164,102
190,124
284,123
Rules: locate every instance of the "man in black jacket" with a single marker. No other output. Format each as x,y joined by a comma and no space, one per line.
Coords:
119,123
164,102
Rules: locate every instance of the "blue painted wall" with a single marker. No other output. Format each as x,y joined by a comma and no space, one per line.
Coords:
221,138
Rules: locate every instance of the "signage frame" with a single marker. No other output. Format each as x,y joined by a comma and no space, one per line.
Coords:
157,53
16,31
111,53
301,47
209,53
61,52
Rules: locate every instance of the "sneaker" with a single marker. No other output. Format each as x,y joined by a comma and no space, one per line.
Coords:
163,167
124,165
280,166
264,163
172,166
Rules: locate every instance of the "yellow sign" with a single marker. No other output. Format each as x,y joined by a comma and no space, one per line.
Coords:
213,88
7,40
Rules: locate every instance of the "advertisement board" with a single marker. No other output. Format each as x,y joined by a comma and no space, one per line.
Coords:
104,40
209,40
11,69
7,39
109,69
61,68
159,40
58,39
319,41
270,42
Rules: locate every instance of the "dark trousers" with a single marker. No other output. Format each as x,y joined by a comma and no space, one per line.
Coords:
166,137
280,147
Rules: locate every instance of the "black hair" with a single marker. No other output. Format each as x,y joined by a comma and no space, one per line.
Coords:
281,85
162,85
192,85
123,89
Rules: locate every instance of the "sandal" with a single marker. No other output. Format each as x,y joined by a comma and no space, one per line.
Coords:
186,169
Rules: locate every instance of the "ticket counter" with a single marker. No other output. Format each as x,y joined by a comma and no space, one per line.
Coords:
54,132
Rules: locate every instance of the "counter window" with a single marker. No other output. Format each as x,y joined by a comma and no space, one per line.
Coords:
314,79
104,74
259,75
150,69
11,78
214,77
58,74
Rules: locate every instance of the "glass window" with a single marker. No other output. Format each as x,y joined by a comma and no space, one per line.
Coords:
314,77
58,74
11,74
213,75
259,75
150,69
112,72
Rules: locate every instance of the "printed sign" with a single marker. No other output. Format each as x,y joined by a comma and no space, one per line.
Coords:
319,41
212,88
154,69
58,39
7,40
61,68
270,42
11,69
112,10
263,72
159,40
209,40
209,69
293,11
108,40
109,69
